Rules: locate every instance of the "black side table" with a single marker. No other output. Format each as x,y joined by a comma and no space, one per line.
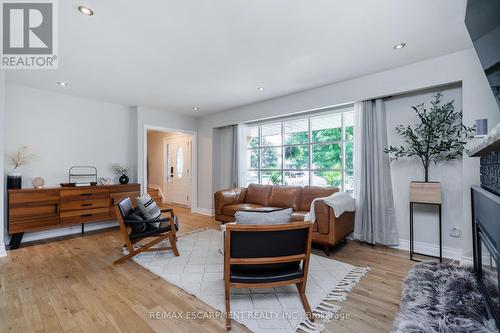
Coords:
412,251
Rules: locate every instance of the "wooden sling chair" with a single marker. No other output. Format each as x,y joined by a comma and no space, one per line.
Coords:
141,229
267,256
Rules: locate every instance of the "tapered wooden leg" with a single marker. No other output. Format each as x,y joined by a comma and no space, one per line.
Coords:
145,247
125,258
228,307
173,244
305,303
326,248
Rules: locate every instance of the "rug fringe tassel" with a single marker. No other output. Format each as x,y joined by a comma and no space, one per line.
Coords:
191,232
326,310
310,327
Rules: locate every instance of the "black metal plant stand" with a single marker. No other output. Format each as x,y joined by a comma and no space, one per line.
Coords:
412,251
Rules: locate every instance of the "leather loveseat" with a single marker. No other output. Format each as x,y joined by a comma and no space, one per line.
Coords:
327,230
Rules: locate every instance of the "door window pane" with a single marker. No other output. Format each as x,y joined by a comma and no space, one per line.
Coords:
180,162
296,131
327,178
270,158
327,156
296,178
296,157
271,134
271,178
327,128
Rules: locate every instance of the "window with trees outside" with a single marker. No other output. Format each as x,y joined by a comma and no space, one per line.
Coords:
313,150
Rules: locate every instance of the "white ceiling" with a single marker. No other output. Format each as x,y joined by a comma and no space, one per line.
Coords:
177,54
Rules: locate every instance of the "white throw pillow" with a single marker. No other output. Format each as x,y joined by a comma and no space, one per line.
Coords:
149,208
255,217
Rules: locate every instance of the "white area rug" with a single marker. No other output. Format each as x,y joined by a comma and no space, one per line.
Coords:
199,271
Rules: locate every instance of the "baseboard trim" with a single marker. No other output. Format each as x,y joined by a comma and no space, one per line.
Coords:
203,211
3,252
431,249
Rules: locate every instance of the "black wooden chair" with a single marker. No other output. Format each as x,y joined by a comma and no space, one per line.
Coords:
141,229
267,256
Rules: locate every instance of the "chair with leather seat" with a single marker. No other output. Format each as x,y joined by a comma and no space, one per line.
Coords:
267,256
159,229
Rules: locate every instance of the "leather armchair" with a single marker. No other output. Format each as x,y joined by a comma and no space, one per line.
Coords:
166,230
267,256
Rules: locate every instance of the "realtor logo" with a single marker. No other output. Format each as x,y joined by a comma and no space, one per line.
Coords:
29,34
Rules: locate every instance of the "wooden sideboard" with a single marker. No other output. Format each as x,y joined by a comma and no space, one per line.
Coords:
48,208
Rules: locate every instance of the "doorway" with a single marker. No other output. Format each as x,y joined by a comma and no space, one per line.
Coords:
169,166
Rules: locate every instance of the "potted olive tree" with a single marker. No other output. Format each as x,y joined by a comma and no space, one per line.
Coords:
438,136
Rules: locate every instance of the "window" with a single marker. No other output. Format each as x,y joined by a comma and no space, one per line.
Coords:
316,150
180,162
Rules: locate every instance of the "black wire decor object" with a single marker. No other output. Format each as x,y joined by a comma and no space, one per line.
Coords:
82,175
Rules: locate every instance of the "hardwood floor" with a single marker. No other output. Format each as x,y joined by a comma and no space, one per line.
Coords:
70,285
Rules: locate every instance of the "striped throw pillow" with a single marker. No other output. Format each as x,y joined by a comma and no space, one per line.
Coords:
149,208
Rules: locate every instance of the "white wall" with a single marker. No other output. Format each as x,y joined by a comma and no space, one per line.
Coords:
403,171
223,154
464,66
63,131
3,230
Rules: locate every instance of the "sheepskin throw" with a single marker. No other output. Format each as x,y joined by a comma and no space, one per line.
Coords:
441,298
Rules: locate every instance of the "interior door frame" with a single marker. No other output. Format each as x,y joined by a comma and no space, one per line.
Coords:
176,138
194,163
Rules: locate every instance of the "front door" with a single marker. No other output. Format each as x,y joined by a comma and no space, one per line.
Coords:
177,186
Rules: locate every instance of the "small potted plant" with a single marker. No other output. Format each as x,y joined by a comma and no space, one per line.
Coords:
20,157
121,171
438,136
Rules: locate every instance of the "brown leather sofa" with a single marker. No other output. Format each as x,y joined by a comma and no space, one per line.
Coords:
328,230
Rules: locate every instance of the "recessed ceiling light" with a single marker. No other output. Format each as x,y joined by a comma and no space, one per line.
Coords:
85,10
196,108
260,88
62,84
399,46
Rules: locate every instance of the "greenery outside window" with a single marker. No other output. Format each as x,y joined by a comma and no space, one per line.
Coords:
313,150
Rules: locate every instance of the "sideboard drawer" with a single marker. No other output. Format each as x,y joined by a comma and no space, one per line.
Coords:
84,216
33,224
84,204
90,193
32,212
24,198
